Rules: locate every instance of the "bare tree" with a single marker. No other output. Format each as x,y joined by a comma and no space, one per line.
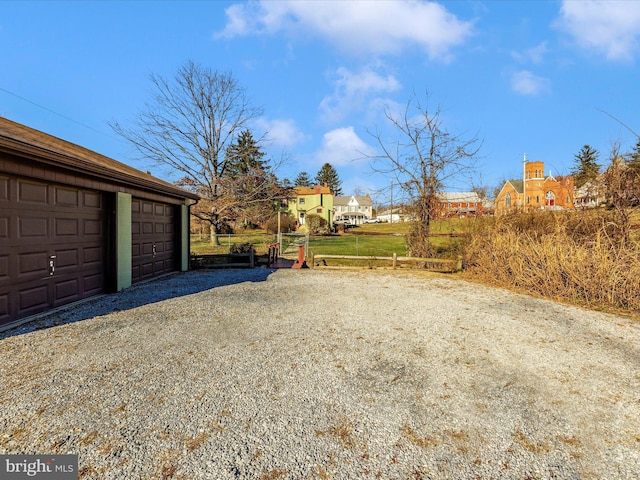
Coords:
187,125
422,161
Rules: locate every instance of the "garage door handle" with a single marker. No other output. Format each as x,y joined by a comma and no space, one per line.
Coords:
154,250
52,264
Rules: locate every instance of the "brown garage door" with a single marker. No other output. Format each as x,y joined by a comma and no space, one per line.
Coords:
153,239
52,246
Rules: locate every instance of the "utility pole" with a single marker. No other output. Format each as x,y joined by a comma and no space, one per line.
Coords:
391,204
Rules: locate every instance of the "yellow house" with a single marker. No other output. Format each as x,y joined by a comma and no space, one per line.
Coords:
311,201
535,192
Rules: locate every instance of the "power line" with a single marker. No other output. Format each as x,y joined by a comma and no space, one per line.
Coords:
58,114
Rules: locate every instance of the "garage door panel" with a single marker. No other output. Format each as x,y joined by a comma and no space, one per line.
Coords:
66,258
66,197
33,263
34,299
4,188
31,192
4,307
4,266
92,200
91,255
4,227
66,227
92,227
33,227
93,284
65,291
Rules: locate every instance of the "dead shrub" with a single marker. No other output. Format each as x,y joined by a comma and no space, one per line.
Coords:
577,257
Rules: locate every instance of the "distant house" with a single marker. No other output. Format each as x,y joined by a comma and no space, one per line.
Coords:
591,194
459,205
357,209
398,214
311,201
535,192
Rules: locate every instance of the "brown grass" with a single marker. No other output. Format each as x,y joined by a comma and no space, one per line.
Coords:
577,257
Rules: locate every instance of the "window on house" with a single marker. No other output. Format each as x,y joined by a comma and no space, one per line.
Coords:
537,198
507,200
319,210
301,200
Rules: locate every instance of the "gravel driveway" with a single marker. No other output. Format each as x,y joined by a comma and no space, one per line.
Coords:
312,374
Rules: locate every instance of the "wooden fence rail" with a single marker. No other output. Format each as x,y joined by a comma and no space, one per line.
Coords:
225,260
444,265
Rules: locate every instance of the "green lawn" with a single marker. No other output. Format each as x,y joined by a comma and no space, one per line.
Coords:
365,245
387,239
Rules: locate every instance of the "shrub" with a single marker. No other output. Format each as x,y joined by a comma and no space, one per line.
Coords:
316,225
575,257
287,224
241,248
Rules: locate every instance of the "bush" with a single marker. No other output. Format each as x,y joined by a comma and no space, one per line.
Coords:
241,248
575,257
287,224
316,225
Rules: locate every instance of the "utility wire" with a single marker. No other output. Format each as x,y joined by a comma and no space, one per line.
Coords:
59,114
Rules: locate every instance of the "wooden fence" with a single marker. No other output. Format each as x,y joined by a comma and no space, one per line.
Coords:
225,260
436,264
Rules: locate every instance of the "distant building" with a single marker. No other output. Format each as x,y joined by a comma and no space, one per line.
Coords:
535,192
357,209
459,205
591,194
399,214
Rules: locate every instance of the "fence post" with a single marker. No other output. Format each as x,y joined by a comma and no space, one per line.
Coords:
459,264
313,260
395,260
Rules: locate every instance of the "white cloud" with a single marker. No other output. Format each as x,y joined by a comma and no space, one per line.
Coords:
342,146
281,132
533,55
526,83
380,27
351,90
608,27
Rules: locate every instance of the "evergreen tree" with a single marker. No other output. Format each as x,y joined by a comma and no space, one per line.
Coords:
302,180
634,156
249,188
586,166
244,156
327,174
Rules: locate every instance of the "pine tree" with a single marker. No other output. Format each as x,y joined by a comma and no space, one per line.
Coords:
244,156
586,166
327,174
302,180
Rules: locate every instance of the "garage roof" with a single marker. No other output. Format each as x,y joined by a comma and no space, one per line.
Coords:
27,142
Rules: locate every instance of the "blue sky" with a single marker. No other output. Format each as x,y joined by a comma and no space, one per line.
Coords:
535,77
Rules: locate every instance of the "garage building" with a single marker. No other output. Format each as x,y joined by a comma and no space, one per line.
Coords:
74,224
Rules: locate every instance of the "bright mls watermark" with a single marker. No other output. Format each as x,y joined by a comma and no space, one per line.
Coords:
50,467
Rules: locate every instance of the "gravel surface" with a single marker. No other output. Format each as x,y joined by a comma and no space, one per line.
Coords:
311,374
